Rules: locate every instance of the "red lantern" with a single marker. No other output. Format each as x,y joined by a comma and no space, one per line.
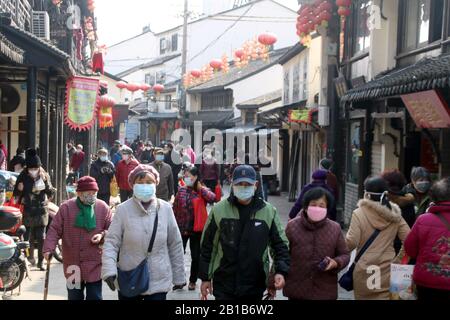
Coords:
158,88
325,6
196,73
145,87
216,64
239,53
121,85
267,39
344,12
325,16
133,87
106,101
177,124
343,3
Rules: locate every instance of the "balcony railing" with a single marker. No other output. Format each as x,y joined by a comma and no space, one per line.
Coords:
20,10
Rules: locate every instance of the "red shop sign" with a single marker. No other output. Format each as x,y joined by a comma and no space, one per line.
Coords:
428,109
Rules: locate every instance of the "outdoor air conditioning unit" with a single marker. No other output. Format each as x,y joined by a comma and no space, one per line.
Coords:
13,99
324,116
41,25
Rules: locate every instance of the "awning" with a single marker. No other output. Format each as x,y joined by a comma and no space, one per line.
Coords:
427,74
218,118
243,130
159,116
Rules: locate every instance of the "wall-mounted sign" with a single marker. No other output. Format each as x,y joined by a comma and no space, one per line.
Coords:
81,103
301,116
428,109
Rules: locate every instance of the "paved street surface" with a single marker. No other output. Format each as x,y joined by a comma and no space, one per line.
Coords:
33,290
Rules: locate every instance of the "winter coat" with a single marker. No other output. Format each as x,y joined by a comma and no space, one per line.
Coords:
123,170
236,244
309,244
165,188
147,156
35,203
183,207
129,236
299,203
209,171
76,242
421,205
429,244
77,160
103,172
370,216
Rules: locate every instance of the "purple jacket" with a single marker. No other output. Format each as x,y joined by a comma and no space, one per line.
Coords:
299,203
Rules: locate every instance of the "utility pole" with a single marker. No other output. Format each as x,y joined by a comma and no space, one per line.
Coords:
184,58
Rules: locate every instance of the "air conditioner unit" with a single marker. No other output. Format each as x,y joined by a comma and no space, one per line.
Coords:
324,116
41,25
13,100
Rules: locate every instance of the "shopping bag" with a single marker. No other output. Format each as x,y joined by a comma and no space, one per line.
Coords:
218,192
402,285
114,188
200,214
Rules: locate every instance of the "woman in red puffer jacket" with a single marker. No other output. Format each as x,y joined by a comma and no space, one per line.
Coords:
429,243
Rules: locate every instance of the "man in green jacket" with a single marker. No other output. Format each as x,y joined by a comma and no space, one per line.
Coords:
236,241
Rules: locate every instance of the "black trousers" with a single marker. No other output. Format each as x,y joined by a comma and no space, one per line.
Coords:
105,197
194,245
36,236
429,294
125,195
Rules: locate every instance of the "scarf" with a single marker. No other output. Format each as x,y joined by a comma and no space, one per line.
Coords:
86,217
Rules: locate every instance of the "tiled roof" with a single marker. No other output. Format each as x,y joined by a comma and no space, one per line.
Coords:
426,74
237,74
211,117
263,100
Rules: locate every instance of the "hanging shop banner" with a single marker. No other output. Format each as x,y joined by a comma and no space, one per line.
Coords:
428,109
81,103
301,116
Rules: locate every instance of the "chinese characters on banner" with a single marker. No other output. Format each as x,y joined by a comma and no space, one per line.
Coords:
81,103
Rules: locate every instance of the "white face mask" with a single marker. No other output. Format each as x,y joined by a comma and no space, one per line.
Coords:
34,173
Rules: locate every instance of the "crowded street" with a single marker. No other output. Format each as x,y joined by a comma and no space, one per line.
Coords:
238,151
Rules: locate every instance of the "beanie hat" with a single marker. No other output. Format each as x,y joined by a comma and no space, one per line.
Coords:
326,164
87,184
143,168
320,175
32,160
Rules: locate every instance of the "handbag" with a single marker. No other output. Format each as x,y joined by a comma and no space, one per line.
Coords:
402,286
200,213
135,282
346,281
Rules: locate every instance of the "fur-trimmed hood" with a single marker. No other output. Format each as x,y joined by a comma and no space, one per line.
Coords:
379,216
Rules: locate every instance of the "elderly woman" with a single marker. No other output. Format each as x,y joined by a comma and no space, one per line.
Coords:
428,243
144,229
81,223
420,186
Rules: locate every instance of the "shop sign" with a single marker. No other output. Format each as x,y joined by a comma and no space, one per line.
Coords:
428,109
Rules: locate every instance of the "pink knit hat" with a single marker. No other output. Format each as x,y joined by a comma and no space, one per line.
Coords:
143,168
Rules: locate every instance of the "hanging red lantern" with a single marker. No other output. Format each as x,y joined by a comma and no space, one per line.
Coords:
325,6
267,39
106,101
344,12
239,53
343,3
177,124
196,73
216,64
133,87
145,87
121,85
158,88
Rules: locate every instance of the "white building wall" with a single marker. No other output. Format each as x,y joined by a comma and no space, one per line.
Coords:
214,6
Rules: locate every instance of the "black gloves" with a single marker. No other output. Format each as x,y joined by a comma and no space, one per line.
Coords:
110,282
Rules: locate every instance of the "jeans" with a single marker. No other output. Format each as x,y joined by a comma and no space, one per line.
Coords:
194,245
154,297
93,292
125,195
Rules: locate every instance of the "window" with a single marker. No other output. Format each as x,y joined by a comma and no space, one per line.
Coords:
174,42
355,152
162,46
304,80
362,32
217,100
286,86
168,102
296,83
422,23
150,79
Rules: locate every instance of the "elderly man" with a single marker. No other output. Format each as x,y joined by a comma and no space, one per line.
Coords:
238,235
123,170
103,171
82,224
165,190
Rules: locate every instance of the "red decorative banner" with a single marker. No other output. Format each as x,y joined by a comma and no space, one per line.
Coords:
81,103
428,109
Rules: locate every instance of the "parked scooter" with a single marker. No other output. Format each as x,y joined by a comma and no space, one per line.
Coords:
13,262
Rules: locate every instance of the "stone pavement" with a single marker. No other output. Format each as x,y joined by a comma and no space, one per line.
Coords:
33,290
